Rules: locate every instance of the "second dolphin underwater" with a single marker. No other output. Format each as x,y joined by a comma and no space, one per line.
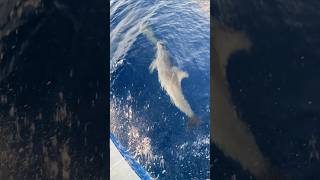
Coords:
230,133
170,77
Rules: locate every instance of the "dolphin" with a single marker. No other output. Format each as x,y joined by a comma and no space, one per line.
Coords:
230,133
170,78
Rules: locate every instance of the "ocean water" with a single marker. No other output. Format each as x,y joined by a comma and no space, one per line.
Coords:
143,118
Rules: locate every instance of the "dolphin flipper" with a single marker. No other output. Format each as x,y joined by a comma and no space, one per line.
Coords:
180,74
152,66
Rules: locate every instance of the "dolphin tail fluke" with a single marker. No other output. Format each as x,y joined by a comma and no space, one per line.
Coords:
193,121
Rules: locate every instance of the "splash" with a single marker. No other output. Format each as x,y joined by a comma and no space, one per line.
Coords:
137,142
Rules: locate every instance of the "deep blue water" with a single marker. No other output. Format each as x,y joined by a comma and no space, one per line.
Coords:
142,116
52,91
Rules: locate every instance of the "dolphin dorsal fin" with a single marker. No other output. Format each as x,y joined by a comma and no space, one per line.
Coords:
181,74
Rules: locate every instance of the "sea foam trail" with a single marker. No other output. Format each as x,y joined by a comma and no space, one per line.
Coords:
170,77
230,133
